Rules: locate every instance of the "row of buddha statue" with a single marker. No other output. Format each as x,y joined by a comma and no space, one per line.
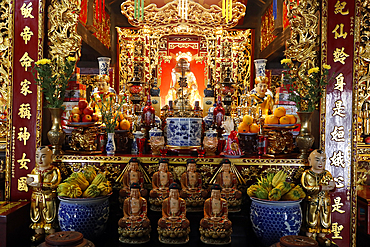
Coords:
173,227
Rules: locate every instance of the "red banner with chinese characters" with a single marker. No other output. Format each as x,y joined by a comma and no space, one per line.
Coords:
340,49
25,105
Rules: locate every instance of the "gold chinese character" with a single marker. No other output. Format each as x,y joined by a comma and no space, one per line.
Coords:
339,82
26,34
338,109
25,111
340,55
24,136
340,182
25,88
338,159
26,11
340,34
26,61
23,162
337,205
338,134
336,229
339,8
22,184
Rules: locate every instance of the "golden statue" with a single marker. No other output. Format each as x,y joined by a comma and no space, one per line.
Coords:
44,179
134,227
227,180
260,97
318,182
184,85
103,94
215,221
191,186
173,227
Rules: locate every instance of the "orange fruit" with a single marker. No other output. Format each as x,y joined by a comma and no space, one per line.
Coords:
248,120
292,118
271,119
124,125
284,120
243,128
279,112
254,128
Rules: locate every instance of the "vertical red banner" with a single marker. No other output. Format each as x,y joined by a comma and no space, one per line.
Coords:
25,105
338,134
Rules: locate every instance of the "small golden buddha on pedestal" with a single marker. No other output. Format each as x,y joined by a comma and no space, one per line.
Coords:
44,179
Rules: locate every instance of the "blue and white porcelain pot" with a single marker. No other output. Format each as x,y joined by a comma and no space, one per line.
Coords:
85,215
210,133
272,220
184,132
155,132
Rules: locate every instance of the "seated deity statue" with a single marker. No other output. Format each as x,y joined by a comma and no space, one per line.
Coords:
191,186
129,176
44,179
104,97
173,227
161,181
182,69
227,180
215,227
261,97
134,227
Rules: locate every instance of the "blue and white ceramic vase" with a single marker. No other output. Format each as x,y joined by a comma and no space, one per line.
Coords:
110,147
104,63
272,220
260,66
208,120
85,215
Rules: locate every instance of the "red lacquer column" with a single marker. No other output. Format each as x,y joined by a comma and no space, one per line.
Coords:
339,46
26,117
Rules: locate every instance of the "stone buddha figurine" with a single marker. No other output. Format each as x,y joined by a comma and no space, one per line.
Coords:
173,227
318,184
129,176
215,227
191,187
260,97
44,179
161,181
227,180
134,227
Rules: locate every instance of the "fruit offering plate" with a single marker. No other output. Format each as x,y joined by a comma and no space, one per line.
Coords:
82,124
280,126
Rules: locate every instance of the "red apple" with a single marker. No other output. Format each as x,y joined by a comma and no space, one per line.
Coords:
86,118
76,117
82,104
88,111
95,117
76,110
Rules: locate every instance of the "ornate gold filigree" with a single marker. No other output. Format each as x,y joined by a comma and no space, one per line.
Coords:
84,138
168,15
63,37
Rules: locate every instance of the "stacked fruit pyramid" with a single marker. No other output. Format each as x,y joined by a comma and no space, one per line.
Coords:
248,125
274,187
280,117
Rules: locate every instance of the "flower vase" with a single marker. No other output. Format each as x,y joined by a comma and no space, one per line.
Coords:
305,140
104,63
110,148
260,65
56,134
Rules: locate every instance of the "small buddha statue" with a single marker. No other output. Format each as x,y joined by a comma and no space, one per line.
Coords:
173,227
215,227
227,180
161,181
129,176
191,186
134,226
44,179
260,97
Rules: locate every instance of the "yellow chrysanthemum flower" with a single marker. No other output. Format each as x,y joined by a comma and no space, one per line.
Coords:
43,61
313,70
71,59
326,66
286,60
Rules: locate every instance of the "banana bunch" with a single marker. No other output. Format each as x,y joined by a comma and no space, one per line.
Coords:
85,184
274,187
